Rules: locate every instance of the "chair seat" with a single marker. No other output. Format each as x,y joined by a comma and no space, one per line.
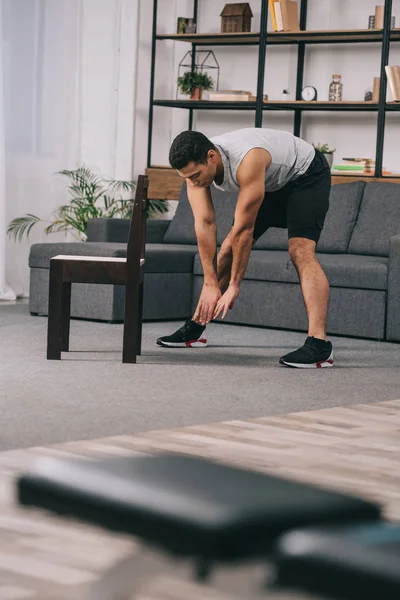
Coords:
184,505
95,269
352,563
104,259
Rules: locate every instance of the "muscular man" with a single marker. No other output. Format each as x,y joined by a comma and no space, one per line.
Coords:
282,181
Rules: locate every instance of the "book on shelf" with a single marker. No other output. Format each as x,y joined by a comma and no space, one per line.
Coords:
393,77
284,15
355,165
233,96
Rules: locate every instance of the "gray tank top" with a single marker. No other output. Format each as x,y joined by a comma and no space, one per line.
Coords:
290,155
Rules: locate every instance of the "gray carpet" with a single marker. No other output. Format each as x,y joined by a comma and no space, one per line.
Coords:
91,394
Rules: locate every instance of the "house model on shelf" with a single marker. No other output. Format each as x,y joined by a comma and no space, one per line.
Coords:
236,18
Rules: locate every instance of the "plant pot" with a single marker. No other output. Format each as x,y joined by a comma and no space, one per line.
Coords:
329,158
197,94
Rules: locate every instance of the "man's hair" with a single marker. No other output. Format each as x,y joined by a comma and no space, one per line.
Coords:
189,146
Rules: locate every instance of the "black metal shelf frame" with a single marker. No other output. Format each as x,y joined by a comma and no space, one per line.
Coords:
262,41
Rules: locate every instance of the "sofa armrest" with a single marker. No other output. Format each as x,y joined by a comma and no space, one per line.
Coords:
155,230
108,230
393,296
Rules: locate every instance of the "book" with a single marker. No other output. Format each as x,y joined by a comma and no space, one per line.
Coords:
290,15
348,167
272,13
379,16
278,16
393,77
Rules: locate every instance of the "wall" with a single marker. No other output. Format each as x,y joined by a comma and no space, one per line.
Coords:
70,75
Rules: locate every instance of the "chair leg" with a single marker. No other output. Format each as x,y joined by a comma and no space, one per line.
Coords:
66,316
54,321
130,343
140,320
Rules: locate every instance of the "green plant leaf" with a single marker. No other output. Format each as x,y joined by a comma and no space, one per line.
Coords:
21,225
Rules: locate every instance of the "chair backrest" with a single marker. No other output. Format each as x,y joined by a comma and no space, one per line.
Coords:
137,230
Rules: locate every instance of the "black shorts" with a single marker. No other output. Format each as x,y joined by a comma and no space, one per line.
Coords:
301,205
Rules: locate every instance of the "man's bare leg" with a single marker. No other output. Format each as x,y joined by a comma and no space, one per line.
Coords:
314,284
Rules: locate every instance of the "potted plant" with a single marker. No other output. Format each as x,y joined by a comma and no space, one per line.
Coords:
328,152
92,197
192,83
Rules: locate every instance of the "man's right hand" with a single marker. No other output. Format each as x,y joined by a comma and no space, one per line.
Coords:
210,294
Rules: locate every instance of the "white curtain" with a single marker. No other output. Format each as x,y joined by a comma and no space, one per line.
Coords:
39,121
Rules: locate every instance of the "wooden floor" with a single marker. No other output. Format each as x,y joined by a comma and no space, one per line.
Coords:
356,448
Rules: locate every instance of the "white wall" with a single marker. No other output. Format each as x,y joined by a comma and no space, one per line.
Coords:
70,72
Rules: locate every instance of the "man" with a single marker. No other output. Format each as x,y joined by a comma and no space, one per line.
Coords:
282,181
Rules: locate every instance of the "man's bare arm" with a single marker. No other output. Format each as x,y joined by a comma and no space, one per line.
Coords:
251,178
206,233
205,228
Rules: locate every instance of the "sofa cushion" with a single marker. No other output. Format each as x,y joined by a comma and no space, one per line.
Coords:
355,271
378,219
169,258
342,270
160,258
344,204
181,229
271,265
40,254
274,238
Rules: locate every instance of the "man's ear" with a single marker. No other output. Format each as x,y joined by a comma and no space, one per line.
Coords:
211,155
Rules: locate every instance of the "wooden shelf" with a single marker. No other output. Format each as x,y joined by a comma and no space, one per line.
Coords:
284,37
272,105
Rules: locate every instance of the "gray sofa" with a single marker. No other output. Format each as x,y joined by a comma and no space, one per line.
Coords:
359,250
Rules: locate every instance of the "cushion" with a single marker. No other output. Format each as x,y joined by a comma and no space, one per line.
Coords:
274,238
342,270
169,258
378,219
181,229
344,204
352,563
160,258
355,271
186,505
274,265
40,254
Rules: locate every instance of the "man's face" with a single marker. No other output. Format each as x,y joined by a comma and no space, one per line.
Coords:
200,175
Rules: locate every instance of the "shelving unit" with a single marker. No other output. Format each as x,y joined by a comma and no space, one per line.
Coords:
300,38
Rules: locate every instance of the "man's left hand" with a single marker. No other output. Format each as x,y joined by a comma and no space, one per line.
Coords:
226,301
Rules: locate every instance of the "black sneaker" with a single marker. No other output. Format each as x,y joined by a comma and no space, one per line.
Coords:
315,353
187,336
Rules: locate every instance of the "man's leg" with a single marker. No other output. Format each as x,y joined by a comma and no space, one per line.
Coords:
308,202
314,284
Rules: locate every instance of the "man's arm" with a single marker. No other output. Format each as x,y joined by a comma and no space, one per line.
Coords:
206,234
205,228
251,178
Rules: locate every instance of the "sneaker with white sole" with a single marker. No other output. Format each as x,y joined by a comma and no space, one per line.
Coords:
190,335
315,353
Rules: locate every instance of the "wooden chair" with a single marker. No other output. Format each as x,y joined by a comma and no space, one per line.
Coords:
129,271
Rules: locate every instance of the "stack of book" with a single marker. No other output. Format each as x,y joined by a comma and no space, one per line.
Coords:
355,166
393,77
284,15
